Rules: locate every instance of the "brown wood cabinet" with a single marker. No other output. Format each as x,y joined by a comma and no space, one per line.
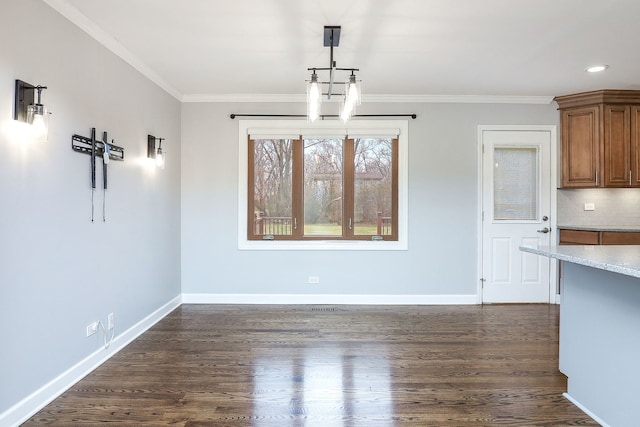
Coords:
619,238
590,237
600,139
579,237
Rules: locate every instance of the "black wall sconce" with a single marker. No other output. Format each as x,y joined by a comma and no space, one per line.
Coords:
154,152
27,109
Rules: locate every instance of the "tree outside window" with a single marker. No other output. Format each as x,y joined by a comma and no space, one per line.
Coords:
323,188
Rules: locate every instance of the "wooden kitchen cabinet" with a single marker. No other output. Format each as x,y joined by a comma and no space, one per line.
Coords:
579,237
635,145
619,238
600,139
591,237
580,142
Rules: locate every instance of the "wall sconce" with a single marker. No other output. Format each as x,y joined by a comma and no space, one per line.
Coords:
27,110
154,152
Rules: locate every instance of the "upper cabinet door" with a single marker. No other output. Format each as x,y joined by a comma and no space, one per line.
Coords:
580,136
600,138
635,145
616,152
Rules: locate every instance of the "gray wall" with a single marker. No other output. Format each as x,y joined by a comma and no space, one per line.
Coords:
442,258
59,271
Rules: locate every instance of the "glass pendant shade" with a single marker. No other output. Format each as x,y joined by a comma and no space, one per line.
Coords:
352,98
38,117
314,98
160,158
353,92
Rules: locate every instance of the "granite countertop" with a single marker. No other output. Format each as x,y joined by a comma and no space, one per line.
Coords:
623,259
621,228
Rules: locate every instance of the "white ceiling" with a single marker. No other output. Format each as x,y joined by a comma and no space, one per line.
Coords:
407,49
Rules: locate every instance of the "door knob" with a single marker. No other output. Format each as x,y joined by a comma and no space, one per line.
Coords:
545,218
544,230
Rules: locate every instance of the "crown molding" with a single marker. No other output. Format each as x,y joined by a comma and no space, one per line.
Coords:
403,99
244,97
459,99
79,19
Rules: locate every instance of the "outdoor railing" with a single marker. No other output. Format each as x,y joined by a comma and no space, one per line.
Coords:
281,225
274,225
384,225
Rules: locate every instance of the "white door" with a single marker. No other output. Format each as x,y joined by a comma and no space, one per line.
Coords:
516,210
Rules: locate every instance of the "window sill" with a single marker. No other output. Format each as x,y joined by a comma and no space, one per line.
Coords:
321,245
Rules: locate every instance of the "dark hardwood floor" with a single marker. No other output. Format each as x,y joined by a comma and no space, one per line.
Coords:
210,365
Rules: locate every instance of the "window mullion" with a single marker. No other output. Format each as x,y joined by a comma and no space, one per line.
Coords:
348,209
394,189
297,209
250,189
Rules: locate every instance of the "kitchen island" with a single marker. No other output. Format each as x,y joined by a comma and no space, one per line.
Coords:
600,329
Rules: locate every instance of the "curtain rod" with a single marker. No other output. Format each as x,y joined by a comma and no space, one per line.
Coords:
233,116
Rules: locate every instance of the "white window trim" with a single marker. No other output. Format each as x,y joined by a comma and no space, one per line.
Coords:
299,126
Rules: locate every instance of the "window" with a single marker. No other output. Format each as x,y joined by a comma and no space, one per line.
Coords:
331,184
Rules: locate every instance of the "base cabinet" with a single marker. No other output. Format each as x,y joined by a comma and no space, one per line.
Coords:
591,237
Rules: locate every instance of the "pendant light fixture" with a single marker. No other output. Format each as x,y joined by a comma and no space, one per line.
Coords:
314,98
351,95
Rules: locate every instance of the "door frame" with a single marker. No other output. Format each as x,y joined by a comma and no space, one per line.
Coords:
554,296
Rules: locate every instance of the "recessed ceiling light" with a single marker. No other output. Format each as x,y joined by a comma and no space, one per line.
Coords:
597,68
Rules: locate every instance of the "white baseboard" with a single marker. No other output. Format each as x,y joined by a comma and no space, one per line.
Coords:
585,410
329,299
27,407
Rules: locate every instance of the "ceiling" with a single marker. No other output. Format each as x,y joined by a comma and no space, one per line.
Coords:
405,49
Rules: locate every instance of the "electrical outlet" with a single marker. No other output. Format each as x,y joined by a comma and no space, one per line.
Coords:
92,328
314,279
110,322
589,206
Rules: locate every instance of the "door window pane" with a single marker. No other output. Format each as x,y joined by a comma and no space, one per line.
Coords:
515,183
373,186
323,187
272,168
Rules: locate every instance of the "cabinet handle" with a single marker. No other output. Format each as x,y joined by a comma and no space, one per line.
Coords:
629,178
295,223
596,178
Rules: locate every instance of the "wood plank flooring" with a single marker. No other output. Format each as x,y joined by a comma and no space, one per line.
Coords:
212,365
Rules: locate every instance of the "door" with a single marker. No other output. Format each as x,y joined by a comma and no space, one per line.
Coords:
516,210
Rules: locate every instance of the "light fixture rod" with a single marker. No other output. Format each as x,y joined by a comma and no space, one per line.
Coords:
331,39
39,89
322,116
332,67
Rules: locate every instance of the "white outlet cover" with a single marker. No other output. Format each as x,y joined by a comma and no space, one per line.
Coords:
589,206
92,328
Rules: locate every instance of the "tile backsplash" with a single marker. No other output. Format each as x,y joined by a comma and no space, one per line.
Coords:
613,206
